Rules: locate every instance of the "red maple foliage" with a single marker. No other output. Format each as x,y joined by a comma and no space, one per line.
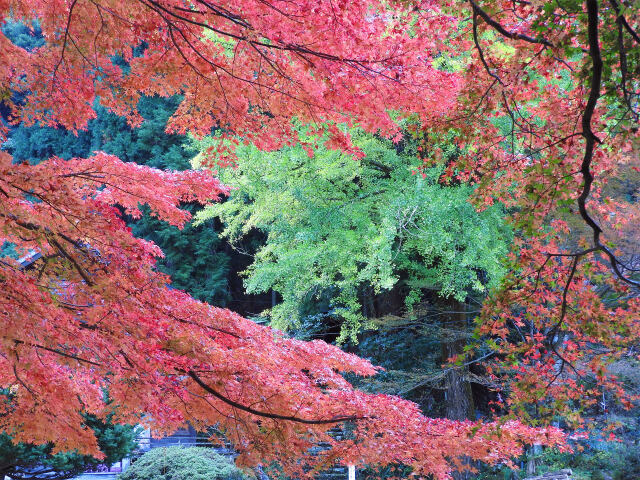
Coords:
95,313
548,118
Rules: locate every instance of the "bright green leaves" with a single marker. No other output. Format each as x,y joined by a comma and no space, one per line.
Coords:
339,229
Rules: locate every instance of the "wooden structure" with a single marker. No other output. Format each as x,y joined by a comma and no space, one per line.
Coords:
565,474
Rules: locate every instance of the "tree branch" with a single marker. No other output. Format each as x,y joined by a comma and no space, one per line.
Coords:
259,413
623,21
503,31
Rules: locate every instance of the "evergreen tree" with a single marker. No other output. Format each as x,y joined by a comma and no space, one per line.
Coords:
25,461
194,256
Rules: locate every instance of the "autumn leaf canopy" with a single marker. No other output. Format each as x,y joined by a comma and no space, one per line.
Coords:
516,85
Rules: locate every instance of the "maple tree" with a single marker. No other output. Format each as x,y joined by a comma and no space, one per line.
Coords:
94,312
550,117
193,256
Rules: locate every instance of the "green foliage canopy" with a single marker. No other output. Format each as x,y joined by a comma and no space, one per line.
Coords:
336,226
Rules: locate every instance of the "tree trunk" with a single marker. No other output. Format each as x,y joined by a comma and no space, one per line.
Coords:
457,388
533,453
458,396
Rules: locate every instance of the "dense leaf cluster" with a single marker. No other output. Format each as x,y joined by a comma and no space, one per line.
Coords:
25,461
341,231
194,257
182,463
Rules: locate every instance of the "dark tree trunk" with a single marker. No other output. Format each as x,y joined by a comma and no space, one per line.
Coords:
457,388
458,396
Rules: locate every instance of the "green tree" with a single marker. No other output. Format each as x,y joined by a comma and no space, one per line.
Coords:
341,232
24,35
25,461
350,242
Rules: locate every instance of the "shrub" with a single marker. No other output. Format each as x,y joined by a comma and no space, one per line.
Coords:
178,463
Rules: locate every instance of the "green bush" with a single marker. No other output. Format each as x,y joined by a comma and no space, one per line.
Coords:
178,463
601,460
